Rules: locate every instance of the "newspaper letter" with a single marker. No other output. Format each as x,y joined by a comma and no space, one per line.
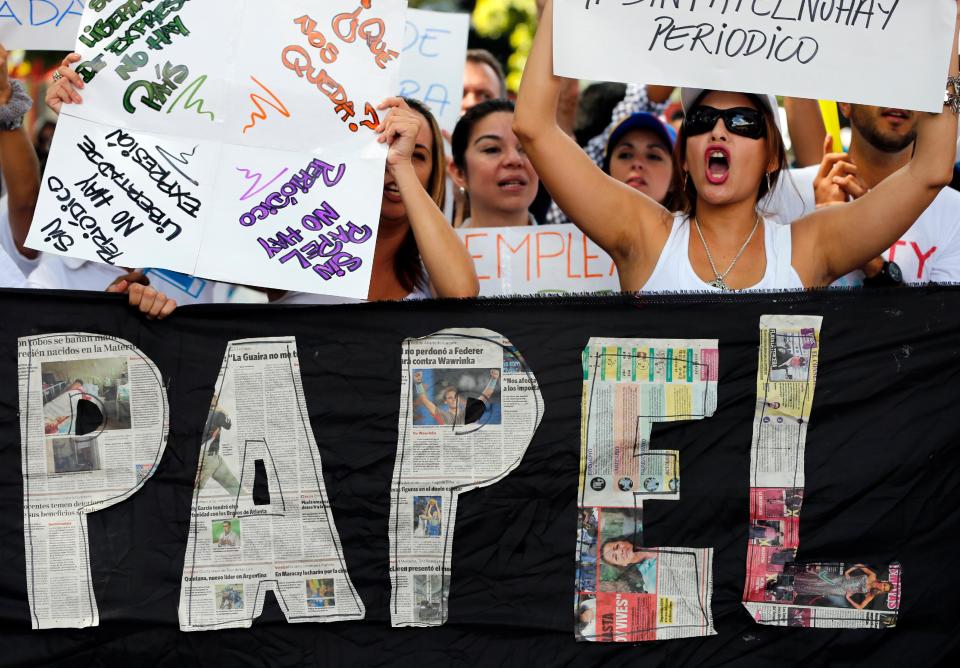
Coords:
93,424
469,407
241,544
625,591
779,590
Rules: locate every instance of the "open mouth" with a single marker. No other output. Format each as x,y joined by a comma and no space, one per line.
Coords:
637,182
513,184
391,192
718,164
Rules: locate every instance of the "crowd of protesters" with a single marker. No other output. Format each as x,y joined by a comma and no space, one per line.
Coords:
686,190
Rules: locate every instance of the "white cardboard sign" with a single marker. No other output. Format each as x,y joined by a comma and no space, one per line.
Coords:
434,53
892,53
42,25
543,259
231,140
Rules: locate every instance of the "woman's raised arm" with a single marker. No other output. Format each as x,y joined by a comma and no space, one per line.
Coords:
622,221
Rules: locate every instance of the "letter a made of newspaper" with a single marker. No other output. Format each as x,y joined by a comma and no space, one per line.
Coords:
239,549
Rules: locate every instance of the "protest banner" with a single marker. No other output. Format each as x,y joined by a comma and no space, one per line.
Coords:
787,47
551,260
879,477
433,57
41,25
247,165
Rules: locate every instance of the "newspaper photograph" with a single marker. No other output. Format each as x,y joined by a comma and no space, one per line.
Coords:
94,422
625,591
779,590
469,408
241,546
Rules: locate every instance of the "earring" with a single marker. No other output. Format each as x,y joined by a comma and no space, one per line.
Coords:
686,177
769,188
463,192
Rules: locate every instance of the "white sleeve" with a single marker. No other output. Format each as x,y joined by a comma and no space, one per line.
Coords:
946,268
25,264
792,198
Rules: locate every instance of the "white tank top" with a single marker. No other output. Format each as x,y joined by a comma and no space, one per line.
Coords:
674,273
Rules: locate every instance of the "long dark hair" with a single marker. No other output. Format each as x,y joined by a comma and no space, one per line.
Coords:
684,189
407,264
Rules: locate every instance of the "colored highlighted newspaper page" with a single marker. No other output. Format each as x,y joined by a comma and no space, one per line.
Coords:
780,590
627,591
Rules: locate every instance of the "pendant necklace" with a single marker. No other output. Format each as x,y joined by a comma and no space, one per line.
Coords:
719,281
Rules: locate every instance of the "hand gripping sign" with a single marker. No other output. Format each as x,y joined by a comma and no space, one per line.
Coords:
626,591
93,423
469,407
260,518
779,590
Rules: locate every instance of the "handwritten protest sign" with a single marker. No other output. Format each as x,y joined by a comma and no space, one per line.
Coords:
40,24
434,53
879,52
229,140
553,259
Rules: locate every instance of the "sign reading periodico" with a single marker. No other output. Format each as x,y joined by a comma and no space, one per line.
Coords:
900,50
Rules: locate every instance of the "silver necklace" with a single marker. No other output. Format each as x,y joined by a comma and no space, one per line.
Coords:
719,281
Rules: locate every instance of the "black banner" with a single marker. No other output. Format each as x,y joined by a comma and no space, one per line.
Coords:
882,482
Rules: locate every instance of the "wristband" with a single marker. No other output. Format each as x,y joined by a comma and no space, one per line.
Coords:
12,113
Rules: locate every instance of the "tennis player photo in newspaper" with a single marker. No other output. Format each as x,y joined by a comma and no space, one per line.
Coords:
428,598
72,455
427,516
103,382
790,357
320,593
228,597
225,534
456,396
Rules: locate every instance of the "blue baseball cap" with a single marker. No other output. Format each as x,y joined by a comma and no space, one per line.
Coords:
639,121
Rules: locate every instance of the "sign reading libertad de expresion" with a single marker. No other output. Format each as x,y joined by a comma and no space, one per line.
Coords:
900,50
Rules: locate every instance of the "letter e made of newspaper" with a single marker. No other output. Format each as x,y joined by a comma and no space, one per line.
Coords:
94,422
779,590
627,591
469,407
260,519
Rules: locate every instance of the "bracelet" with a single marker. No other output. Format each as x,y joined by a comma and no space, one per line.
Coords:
12,113
952,97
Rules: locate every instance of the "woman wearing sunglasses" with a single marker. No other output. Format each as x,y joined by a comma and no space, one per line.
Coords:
730,153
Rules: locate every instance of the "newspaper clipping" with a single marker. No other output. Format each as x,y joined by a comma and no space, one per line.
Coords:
469,408
780,591
93,424
625,591
282,538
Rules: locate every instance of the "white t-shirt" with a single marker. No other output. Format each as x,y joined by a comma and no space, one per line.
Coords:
301,298
66,273
674,273
929,252
10,274
26,265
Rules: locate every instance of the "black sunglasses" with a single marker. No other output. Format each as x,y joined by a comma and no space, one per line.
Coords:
742,121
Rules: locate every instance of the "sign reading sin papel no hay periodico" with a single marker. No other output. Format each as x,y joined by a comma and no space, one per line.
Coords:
881,52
